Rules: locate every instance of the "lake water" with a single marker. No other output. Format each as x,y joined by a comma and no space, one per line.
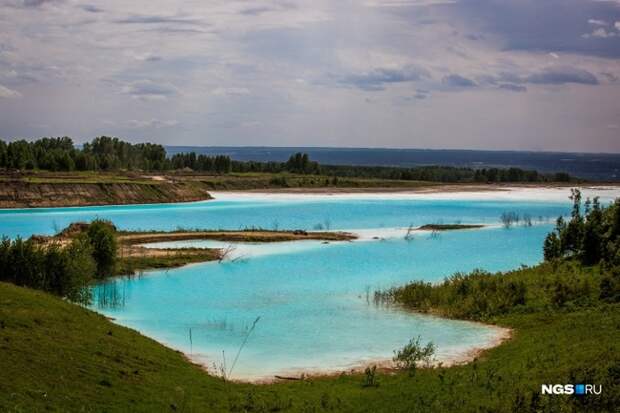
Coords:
314,300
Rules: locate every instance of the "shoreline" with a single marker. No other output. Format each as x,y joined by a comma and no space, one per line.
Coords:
430,188
430,191
501,334
384,365
531,193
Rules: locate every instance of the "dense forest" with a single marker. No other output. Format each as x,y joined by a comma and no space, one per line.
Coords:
112,154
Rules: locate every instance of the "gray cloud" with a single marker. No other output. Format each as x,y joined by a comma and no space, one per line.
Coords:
256,11
512,87
156,19
27,4
458,81
91,8
550,25
149,90
563,75
245,72
377,79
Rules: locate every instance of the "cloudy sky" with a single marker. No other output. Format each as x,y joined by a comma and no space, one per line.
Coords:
492,74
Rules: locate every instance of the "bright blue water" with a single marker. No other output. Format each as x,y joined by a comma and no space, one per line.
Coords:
314,300
291,214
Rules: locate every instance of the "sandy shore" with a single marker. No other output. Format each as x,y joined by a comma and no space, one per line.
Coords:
535,193
384,365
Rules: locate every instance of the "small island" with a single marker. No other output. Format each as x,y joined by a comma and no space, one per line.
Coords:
133,256
448,227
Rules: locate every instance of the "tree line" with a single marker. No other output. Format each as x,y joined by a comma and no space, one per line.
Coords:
112,154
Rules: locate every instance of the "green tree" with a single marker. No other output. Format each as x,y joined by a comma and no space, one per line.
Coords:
3,154
102,237
551,247
79,270
592,237
20,155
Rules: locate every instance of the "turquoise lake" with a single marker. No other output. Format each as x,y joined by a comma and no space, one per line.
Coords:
314,299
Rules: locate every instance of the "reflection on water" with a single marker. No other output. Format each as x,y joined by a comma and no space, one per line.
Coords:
111,294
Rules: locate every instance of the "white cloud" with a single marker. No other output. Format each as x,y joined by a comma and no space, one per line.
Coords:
600,33
597,22
5,92
617,25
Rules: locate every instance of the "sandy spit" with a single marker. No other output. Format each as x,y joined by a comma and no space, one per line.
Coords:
458,192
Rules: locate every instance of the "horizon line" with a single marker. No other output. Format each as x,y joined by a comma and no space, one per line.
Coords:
392,149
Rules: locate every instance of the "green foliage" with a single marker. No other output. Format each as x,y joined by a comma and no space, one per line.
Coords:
610,286
300,163
478,295
591,238
102,237
584,237
370,377
64,271
408,357
107,153
551,247
113,154
78,272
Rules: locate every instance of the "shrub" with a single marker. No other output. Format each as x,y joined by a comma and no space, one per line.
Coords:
370,377
412,353
64,271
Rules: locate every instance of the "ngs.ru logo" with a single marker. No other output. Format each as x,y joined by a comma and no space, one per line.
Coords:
578,389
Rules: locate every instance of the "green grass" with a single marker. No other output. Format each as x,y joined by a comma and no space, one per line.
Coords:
244,181
85,177
57,356
231,181
176,258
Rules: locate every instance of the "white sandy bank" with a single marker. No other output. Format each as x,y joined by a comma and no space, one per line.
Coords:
540,194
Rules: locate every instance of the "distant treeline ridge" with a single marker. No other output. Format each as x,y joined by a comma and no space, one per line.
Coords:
112,154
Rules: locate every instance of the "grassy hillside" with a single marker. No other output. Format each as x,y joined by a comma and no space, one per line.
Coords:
57,356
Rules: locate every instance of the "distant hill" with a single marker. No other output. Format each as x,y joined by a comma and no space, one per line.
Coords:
599,167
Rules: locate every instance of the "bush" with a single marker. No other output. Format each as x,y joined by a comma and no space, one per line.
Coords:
370,378
102,237
79,270
610,286
412,353
64,271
